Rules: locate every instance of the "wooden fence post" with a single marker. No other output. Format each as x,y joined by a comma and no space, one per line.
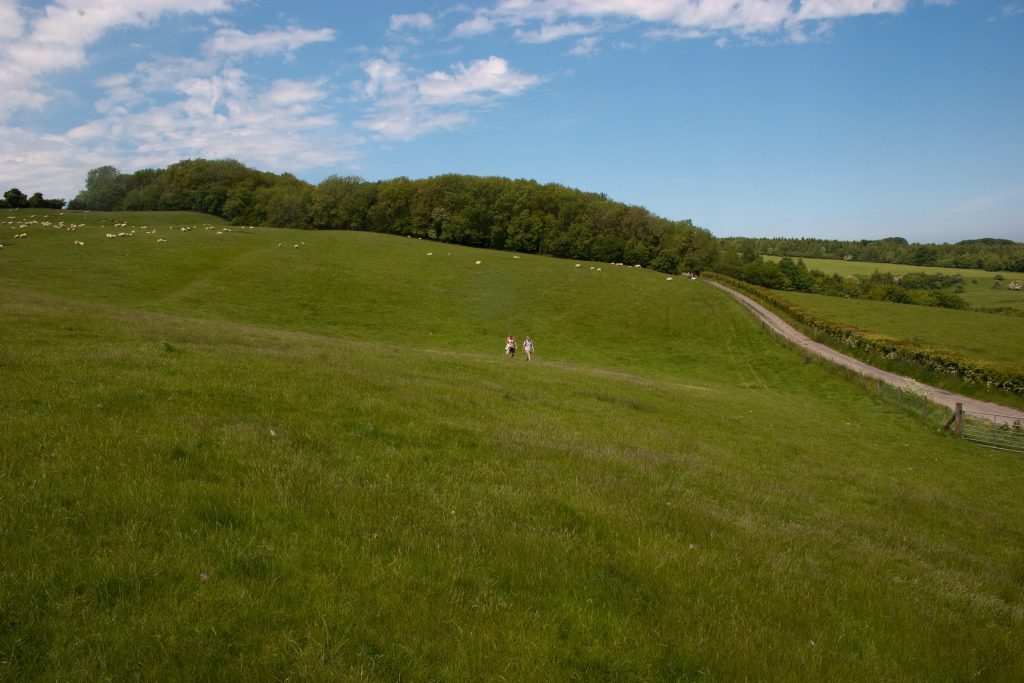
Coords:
958,424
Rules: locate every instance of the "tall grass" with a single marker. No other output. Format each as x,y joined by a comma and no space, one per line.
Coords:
239,460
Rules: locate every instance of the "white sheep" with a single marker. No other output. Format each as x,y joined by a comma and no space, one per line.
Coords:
79,243
668,279
478,263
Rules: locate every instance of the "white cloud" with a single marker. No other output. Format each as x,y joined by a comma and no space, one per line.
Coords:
11,23
405,106
470,84
57,39
838,9
42,163
231,41
671,18
420,21
282,125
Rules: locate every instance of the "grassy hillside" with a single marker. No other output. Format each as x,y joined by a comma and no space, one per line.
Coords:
224,458
978,284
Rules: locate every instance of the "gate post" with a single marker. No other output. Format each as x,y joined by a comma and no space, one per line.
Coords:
958,423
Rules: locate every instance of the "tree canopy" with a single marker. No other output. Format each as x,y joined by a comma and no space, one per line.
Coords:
985,253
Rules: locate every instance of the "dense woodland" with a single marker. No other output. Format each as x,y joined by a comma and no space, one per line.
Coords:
517,215
986,254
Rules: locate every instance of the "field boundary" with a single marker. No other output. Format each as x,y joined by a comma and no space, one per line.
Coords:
1006,415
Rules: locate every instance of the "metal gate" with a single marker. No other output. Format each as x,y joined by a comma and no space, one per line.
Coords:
1005,432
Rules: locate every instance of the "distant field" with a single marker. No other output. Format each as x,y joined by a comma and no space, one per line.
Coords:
228,457
978,290
987,336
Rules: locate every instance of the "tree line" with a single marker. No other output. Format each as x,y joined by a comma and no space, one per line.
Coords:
499,213
924,289
985,254
16,199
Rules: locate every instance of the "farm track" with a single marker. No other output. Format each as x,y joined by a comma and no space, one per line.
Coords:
949,399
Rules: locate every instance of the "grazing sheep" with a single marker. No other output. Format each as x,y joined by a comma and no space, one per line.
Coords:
478,263
79,243
430,253
579,265
160,239
668,279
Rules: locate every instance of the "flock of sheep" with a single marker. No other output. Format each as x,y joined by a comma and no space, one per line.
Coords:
125,231
122,227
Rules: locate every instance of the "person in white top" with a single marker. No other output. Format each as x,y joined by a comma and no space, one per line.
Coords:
528,348
510,347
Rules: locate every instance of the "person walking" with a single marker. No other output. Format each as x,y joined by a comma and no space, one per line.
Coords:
528,347
510,347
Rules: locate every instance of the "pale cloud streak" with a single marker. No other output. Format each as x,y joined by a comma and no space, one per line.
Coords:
551,32
230,41
420,21
672,18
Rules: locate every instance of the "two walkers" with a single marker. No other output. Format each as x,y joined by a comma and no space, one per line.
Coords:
510,347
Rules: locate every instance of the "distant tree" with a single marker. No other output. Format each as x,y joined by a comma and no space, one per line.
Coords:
105,190
15,199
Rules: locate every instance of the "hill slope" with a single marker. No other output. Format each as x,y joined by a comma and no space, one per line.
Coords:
226,458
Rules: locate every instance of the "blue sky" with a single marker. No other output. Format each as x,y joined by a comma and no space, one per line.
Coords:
846,119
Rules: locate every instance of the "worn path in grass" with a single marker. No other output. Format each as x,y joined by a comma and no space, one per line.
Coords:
1003,414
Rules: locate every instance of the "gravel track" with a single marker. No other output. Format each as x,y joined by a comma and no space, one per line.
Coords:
1002,414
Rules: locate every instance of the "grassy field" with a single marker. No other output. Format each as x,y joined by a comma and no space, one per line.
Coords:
987,336
221,458
978,284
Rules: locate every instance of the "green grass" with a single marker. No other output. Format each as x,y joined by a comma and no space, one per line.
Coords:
224,459
972,334
978,291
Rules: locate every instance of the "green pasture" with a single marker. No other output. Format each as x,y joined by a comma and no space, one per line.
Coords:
227,457
978,284
986,336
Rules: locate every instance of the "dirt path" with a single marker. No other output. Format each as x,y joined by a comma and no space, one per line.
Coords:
945,398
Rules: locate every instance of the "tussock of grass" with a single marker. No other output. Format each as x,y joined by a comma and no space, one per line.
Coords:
241,463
